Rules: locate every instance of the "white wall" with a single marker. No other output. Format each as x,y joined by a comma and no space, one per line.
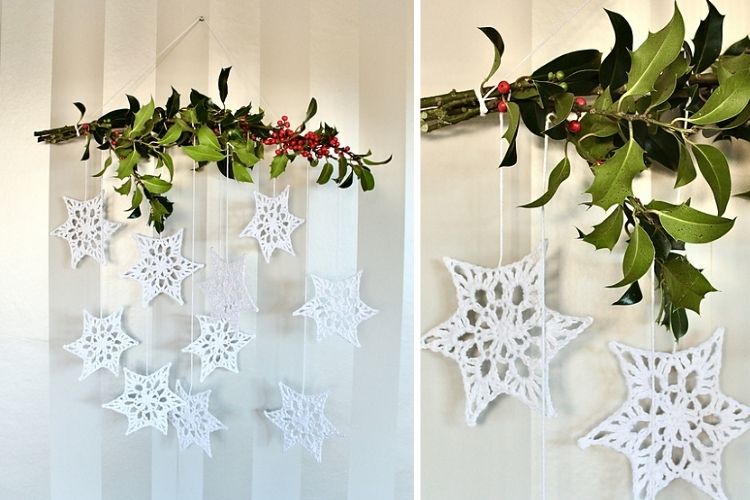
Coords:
501,457
355,57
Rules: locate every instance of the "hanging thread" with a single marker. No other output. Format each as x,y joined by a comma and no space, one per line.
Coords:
307,278
192,287
501,189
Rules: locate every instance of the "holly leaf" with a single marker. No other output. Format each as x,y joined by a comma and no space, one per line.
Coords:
556,177
241,173
223,87
639,255
685,168
161,208
738,47
685,284
154,184
666,83
514,117
570,63
207,137
141,118
278,165
707,40
715,169
173,133
654,55
127,165
632,295
727,101
687,224
613,180
499,46
325,173
613,72
203,152
606,234
563,105
173,104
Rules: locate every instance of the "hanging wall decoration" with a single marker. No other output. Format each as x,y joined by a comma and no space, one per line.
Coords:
635,109
337,308
218,346
676,421
101,344
272,224
302,420
161,267
225,290
146,400
87,231
502,335
192,420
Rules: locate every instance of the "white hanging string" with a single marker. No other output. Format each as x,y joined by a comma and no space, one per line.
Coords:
307,278
192,287
501,189
652,408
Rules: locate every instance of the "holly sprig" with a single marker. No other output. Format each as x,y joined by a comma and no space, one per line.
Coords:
208,133
634,110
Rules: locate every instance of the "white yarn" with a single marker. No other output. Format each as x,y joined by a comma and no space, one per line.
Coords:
193,421
218,345
273,224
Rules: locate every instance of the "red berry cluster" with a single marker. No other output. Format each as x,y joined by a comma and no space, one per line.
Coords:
574,126
503,88
311,145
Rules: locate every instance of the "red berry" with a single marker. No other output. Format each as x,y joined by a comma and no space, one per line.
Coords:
502,106
580,102
574,126
284,118
503,87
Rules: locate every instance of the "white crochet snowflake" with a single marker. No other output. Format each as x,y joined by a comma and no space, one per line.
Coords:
218,346
193,421
226,291
302,420
101,344
495,335
337,308
675,422
272,224
161,267
86,230
146,400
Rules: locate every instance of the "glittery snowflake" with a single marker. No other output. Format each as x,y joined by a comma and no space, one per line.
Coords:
302,420
272,224
86,230
676,421
495,335
225,290
161,267
337,308
101,344
193,421
218,346
146,400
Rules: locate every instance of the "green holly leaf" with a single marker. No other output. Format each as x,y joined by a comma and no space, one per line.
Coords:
142,117
666,83
245,152
241,173
685,168
161,208
155,184
167,160
707,40
687,224
632,295
514,117
556,177
499,46
639,255
727,101
678,322
174,133
613,72
563,105
203,152
278,165
613,180
606,234
206,137
325,173
685,285
654,55
125,187
223,87
715,169
127,165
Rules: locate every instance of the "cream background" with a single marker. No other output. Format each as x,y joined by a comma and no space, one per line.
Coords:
355,57
501,457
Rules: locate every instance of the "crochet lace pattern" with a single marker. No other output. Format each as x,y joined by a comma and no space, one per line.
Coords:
495,335
225,290
675,421
161,267
337,308
101,344
218,345
146,400
302,420
86,230
272,224
193,422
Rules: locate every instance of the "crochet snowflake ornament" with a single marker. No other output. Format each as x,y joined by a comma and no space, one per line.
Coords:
337,308
193,421
272,224
675,422
218,345
496,333
226,291
161,267
86,230
101,344
146,400
302,420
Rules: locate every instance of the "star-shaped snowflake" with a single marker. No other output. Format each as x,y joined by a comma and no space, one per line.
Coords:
161,267
226,291
495,335
337,308
86,230
218,346
146,400
193,421
302,420
101,344
272,224
675,422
